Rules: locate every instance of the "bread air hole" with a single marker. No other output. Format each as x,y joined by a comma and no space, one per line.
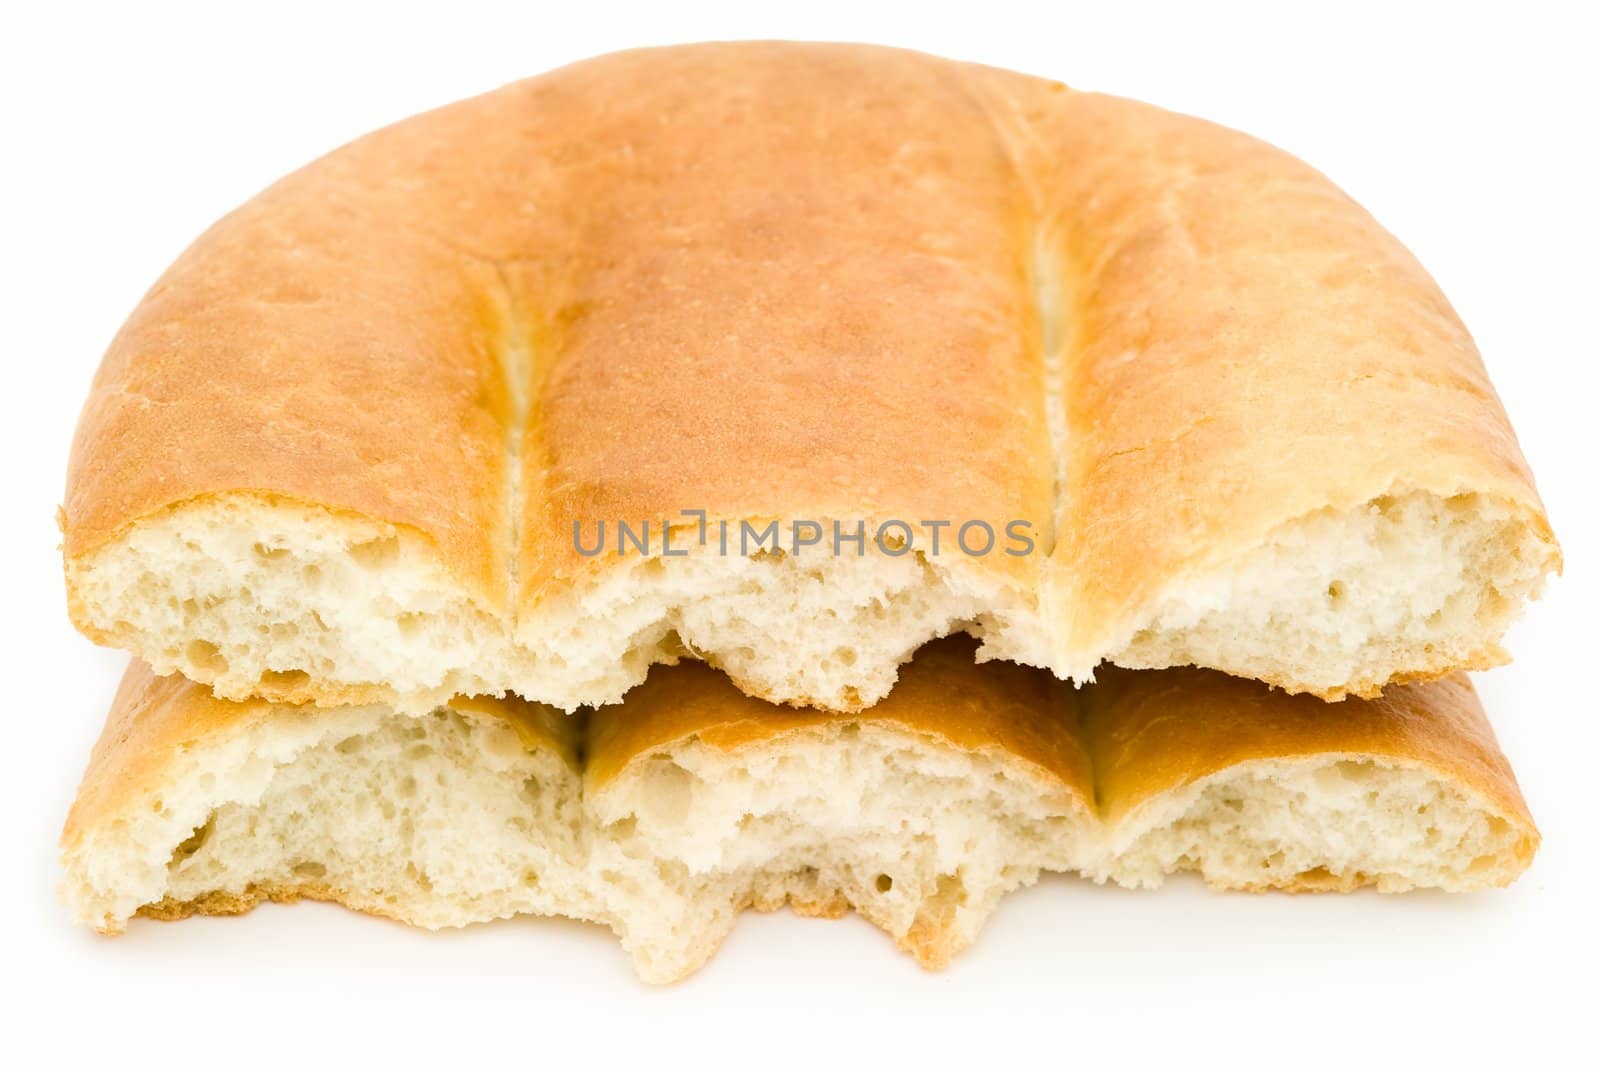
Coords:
204,657
192,843
1318,878
280,683
884,883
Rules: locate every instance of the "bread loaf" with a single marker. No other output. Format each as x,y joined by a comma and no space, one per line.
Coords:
665,816
373,437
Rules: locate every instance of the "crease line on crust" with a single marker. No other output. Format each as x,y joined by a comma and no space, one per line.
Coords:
1020,141
1020,128
514,356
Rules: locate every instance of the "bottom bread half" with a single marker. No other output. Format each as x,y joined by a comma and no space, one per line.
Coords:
667,815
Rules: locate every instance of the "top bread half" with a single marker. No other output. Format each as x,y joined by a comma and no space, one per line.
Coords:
1086,379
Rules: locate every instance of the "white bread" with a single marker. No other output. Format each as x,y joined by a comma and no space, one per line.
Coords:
694,801
339,451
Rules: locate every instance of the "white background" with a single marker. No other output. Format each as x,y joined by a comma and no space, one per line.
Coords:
1470,133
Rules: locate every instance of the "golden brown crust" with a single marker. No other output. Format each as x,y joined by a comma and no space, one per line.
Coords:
218,902
844,329
1152,732
999,708
853,325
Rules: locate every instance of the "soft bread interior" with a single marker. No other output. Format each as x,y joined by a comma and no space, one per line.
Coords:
1326,823
258,597
265,598
437,819
920,837
1340,601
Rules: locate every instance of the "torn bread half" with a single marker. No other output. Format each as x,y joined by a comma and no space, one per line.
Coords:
666,817
892,346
